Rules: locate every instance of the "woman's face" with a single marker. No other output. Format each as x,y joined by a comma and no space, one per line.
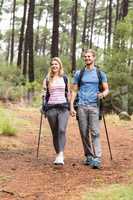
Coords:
55,66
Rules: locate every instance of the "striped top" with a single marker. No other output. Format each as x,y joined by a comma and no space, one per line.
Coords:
57,91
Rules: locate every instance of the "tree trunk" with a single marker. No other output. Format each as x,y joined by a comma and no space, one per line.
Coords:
12,39
110,23
124,9
28,65
89,25
130,62
25,53
44,38
1,5
85,26
8,43
8,49
117,12
21,39
92,21
30,38
106,27
28,44
55,33
74,35
116,40
38,27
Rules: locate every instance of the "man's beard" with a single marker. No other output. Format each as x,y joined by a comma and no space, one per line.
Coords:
89,63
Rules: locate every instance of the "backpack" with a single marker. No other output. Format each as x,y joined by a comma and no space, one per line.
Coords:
46,107
98,71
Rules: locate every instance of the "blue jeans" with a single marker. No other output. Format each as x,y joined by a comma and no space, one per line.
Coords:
89,126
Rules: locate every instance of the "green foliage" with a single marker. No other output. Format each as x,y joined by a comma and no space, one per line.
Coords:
11,81
33,89
41,67
118,60
11,74
113,192
125,27
7,129
118,79
32,86
66,64
65,43
6,124
80,63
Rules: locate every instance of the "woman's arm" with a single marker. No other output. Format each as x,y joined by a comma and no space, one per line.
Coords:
74,89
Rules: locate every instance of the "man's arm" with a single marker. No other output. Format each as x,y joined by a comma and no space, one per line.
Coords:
105,90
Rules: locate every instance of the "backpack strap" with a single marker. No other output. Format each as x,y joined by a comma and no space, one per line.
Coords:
100,89
47,91
66,86
80,76
79,83
99,78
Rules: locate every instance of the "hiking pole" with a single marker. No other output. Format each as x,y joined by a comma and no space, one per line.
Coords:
90,149
107,137
92,144
40,128
39,135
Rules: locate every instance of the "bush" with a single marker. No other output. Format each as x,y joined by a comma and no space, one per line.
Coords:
11,80
6,127
11,74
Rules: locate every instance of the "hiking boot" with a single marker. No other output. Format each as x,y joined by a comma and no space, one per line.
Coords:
95,163
88,160
59,159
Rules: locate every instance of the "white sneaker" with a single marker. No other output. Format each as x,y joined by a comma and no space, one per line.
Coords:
59,159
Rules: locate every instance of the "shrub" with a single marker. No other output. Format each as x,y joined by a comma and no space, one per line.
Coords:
6,127
11,80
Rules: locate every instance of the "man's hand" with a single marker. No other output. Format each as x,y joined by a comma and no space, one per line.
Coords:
74,89
72,111
100,95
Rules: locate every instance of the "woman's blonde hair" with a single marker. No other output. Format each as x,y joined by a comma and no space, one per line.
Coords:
61,71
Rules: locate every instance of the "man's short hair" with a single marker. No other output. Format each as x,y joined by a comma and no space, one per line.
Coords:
90,51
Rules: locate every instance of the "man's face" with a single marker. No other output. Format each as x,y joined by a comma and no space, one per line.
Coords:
89,58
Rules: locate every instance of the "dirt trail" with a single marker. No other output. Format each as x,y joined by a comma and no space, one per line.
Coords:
24,177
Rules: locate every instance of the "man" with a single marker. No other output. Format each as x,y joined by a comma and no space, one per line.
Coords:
88,107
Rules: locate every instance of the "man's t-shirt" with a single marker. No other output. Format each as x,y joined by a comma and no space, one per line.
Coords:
89,86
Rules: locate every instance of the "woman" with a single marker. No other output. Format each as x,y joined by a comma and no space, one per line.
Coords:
57,106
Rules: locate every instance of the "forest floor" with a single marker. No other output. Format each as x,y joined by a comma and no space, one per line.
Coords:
24,177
